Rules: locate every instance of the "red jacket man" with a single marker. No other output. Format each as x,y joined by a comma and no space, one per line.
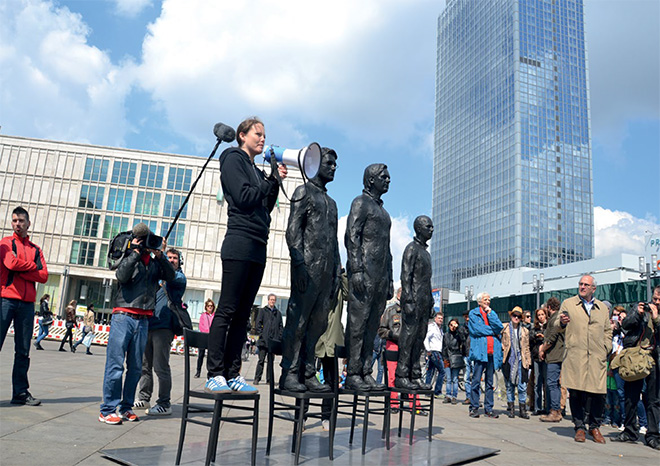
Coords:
22,264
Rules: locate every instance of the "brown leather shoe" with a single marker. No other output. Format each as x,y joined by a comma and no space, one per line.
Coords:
598,437
580,436
554,416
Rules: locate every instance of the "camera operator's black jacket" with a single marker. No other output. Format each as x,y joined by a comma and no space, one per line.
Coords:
138,283
633,326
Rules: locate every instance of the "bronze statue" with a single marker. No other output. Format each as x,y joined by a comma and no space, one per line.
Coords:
315,268
369,268
416,306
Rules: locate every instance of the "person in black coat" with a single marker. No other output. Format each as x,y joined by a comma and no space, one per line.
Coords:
269,328
453,351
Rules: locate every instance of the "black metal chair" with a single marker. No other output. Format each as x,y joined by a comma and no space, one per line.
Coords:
297,410
410,401
238,401
361,403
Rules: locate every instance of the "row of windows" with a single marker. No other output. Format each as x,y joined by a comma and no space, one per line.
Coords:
120,200
88,225
124,172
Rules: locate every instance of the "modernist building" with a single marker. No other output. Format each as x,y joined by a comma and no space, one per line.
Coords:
512,181
80,196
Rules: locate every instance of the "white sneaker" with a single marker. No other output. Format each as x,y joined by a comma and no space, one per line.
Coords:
642,430
158,410
141,404
622,428
326,424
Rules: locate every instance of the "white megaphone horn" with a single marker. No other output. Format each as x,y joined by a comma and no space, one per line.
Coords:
307,159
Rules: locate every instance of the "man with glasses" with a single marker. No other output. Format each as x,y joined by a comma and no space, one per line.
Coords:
585,322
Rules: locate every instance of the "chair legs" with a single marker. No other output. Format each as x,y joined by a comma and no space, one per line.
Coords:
182,433
213,434
255,432
301,426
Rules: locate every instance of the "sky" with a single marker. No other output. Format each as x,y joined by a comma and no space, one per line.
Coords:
355,76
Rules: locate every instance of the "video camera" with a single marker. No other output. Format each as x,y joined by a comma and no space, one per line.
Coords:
150,241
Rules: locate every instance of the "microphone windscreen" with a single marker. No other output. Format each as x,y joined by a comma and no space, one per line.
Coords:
223,132
140,230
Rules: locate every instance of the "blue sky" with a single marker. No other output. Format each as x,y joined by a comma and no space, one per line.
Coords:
355,76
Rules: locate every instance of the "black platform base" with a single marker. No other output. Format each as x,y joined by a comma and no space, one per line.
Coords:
314,452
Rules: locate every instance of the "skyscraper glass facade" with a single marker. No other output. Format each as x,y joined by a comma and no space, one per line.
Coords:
512,167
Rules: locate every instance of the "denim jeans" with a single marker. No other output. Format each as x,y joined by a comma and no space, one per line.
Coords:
554,389
378,360
541,374
126,342
43,333
22,314
481,367
452,383
435,363
521,386
467,375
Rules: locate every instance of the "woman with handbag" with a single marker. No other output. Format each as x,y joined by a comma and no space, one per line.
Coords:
517,359
45,320
70,324
88,327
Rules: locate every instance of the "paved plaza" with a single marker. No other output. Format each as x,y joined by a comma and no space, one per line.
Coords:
65,430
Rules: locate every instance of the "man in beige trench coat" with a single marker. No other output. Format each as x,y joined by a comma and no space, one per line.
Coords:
588,340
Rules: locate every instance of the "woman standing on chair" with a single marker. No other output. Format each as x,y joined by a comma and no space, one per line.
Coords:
251,196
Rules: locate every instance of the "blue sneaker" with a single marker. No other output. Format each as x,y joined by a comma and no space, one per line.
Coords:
238,384
216,384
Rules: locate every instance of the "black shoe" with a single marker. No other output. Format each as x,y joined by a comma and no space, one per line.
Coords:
63,350
394,410
474,413
492,415
447,400
403,382
256,382
38,346
421,385
313,385
369,380
290,383
623,437
197,374
653,443
73,349
25,399
89,352
355,382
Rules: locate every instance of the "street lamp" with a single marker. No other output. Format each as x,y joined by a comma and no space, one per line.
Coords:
469,292
646,272
537,285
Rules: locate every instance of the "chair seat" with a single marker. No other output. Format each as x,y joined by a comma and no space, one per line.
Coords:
228,396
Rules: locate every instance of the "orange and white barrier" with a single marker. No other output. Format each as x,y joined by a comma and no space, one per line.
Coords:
57,330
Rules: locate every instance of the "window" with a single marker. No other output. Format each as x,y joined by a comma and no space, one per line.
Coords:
119,200
151,176
114,225
87,225
147,203
179,179
91,197
123,172
82,253
176,237
173,204
96,169
103,255
152,224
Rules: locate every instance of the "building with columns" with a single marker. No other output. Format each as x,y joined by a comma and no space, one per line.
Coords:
80,196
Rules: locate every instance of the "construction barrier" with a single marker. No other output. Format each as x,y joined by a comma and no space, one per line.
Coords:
57,330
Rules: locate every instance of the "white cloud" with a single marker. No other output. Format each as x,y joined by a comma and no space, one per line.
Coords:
131,8
400,236
620,232
363,68
54,84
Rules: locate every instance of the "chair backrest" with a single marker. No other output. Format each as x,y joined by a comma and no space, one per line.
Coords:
191,339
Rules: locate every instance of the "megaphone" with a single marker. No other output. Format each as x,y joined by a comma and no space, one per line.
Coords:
307,159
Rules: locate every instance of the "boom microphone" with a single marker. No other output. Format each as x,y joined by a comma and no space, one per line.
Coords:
224,133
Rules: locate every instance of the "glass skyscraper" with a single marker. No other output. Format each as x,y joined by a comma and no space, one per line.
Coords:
512,183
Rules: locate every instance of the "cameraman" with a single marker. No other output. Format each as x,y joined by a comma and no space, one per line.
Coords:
642,328
138,273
